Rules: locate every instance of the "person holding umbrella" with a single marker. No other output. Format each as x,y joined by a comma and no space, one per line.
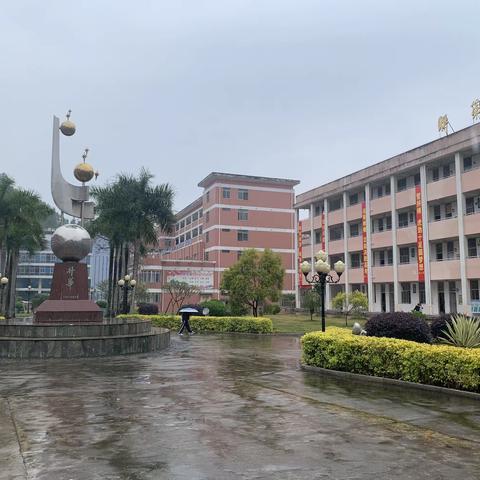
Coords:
186,311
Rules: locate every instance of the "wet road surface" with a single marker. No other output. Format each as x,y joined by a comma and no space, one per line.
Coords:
224,407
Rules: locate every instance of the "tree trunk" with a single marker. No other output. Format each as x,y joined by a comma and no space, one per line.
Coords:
110,280
135,270
11,292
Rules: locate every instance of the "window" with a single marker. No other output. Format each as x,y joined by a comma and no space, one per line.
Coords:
389,222
200,213
226,209
437,215
335,204
182,238
404,255
354,229
242,235
177,240
243,214
472,247
411,217
379,191
206,256
242,194
182,224
381,258
413,252
200,230
194,216
207,237
353,199
225,251
403,220
439,251
188,236
421,293
355,260
387,189
317,210
195,232
450,250
226,192
177,226
474,293
469,205
208,196
207,217
446,171
467,164
225,230
405,293
380,224
318,236
390,257
448,210
336,233
189,220
416,179
435,174
401,184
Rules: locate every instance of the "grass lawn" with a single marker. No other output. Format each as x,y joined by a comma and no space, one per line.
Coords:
301,323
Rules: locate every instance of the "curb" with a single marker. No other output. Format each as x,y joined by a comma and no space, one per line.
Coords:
390,381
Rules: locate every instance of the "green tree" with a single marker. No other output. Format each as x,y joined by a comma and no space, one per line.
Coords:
178,293
311,301
130,213
355,302
256,277
22,214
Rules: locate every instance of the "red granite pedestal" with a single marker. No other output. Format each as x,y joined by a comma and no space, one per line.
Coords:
69,300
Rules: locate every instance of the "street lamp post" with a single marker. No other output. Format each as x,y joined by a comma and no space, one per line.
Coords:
3,284
323,276
29,291
126,283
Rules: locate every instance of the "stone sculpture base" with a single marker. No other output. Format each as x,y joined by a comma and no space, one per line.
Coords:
69,301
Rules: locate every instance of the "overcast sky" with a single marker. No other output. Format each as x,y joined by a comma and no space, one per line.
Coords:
304,89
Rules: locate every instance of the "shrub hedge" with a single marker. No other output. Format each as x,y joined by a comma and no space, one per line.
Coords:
211,324
441,365
147,308
406,326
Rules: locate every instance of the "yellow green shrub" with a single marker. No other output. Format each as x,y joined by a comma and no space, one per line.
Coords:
441,365
211,324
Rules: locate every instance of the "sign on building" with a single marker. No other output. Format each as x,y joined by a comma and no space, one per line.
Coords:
202,279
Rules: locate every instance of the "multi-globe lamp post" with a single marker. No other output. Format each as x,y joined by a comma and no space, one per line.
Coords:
126,283
323,275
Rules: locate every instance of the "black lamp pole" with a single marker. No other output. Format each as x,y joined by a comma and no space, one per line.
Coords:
322,276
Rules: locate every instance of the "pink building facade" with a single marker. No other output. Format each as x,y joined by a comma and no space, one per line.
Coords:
234,213
422,227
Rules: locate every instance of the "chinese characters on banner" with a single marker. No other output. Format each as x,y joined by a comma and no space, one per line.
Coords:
323,231
364,242
300,254
420,257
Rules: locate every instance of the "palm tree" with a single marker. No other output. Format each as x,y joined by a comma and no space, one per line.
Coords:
130,212
22,213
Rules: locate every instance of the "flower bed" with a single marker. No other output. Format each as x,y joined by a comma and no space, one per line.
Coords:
211,324
440,365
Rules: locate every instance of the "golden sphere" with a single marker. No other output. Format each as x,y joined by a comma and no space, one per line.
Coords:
67,128
83,172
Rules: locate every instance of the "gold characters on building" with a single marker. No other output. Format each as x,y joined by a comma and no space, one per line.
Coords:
443,124
476,110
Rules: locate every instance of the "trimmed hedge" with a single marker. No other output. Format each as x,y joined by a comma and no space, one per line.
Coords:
406,326
441,365
211,324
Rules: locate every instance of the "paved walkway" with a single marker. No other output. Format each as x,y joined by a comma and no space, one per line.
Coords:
224,407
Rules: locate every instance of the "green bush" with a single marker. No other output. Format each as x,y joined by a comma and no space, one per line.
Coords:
400,325
211,324
463,332
102,303
38,299
216,308
441,365
271,309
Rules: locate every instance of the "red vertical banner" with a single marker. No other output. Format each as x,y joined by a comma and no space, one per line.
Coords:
420,252
323,231
300,254
364,243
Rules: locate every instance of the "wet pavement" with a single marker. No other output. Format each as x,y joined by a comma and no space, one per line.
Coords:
224,407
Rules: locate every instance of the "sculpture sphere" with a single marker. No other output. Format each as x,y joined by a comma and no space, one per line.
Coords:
71,243
67,128
83,172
